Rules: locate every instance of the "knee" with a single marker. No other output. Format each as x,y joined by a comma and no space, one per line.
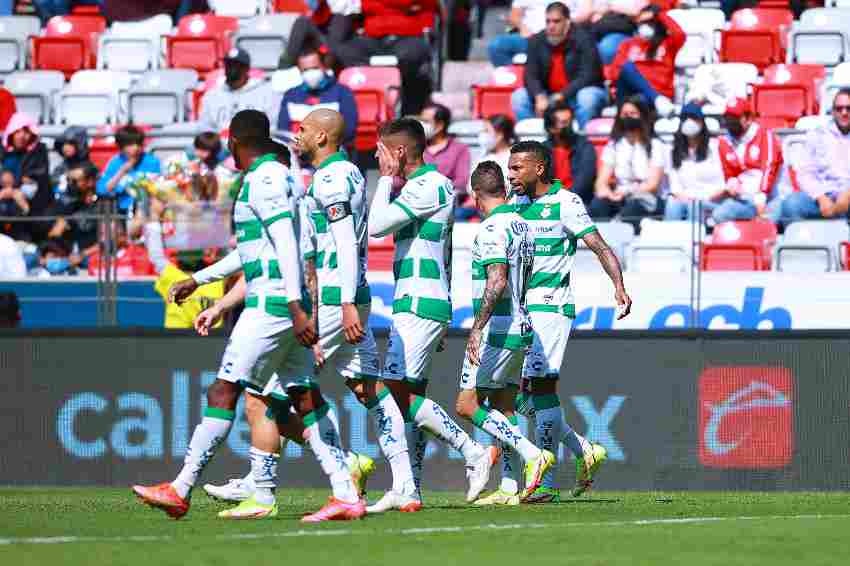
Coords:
223,394
255,408
590,97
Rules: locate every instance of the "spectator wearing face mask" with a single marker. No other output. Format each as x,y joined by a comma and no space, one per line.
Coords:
645,65
26,157
495,141
751,156
695,172
320,89
73,146
125,168
238,92
55,259
75,209
573,157
632,167
443,150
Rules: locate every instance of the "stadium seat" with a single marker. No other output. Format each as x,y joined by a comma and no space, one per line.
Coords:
458,78
69,43
530,129
133,46
495,96
821,36
598,131
291,6
664,247
700,25
238,8
201,42
840,79
716,83
376,92
93,98
806,123
756,36
788,92
381,253
35,92
101,150
618,236
811,246
666,127
739,246
161,97
467,131
265,37
15,32
214,79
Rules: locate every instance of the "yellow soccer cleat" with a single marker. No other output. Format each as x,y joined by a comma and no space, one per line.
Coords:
534,471
586,468
361,467
250,509
498,497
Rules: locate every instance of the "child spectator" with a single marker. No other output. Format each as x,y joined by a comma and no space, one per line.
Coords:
73,146
125,168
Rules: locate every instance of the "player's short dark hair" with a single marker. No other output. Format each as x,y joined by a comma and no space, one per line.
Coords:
10,309
540,152
489,179
410,127
561,7
129,135
282,152
209,141
442,114
251,128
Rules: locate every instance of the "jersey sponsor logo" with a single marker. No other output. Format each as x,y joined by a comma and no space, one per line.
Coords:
518,227
746,417
337,211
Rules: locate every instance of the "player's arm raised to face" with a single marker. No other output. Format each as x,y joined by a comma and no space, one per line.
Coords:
387,217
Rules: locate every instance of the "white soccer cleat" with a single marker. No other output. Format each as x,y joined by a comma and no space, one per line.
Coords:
478,473
395,500
235,490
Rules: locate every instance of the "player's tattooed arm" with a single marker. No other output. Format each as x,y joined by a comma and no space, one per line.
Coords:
311,280
612,267
497,280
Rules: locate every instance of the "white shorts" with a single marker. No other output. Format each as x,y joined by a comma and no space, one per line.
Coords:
351,361
499,367
261,347
411,346
551,332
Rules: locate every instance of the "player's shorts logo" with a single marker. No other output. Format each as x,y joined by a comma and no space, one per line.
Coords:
746,417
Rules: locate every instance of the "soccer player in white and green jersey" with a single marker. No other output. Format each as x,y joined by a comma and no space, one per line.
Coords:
421,219
502,262
558,219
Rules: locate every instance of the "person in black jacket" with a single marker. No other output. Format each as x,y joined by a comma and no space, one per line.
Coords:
573,157
26,156
563,65
73,146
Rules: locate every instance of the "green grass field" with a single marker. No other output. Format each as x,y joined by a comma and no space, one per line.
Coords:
108,526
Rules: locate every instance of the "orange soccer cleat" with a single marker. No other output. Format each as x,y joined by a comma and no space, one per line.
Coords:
336,510
163,496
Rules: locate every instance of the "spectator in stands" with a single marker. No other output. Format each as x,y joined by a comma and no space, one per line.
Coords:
645,64
55,259
10,308
751,157
320,87
444,150
632,167
824,174
495,141
73,146
131,162
72,209
573,157
695,173
239,92
329,25
26,156
612,23
8,107
563,64
208,150
13,204
397,28
123,11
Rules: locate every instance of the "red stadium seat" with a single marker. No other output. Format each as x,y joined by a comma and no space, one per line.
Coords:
86,10
101,150
810,77
757,36
381,253
130,261
845,255
376,91
495,96
291,6
201,42
68,44
209,25
739,246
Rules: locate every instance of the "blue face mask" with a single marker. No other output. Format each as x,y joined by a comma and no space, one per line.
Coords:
57,265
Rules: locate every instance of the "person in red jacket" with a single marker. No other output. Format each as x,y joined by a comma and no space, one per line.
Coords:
645,64
397,27
751,156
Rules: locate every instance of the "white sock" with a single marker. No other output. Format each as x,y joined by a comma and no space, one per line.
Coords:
417,443
577,444
214,428
323,438
510,463
430,416
264,473
393,441
547,434
497,425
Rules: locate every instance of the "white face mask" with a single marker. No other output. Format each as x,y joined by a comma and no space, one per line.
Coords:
313,78
486,140
691,128
429,130
646,31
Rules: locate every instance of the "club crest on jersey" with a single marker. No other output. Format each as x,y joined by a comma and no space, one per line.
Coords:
546,212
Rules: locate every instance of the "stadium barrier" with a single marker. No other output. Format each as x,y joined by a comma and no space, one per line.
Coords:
675,410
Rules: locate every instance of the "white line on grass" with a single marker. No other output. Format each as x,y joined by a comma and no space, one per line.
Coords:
417,530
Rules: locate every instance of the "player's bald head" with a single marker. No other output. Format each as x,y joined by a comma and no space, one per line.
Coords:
328,121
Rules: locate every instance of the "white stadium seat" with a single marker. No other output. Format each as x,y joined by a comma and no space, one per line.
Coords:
35,92
821,36
93,98
161,97
664,247
264,38
701,26
238,8
133,46
718,82
14,38
811,246
618,235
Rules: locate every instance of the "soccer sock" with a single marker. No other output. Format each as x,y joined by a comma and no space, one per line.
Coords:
214,428
549,416
497,425
430,416
577,444
323,437
264,473
393,441
510,462
417,443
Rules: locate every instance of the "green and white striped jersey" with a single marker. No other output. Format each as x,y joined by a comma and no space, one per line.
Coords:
423,246
504,237
339,189
557,219
265,197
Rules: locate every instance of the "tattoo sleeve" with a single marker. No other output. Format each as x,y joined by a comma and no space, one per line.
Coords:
607,258
497,280
312,282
